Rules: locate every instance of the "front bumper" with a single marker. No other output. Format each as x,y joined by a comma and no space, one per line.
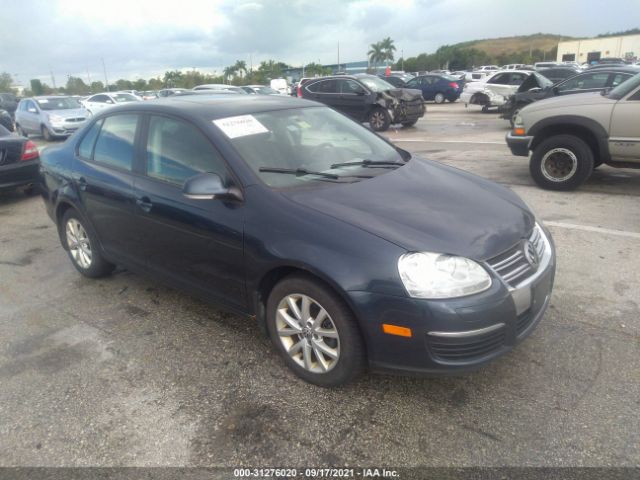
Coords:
19,174
519,145
456,335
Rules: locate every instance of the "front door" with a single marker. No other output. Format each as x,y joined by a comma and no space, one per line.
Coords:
197,243
624,138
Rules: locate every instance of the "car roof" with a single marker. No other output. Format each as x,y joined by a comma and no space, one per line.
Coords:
613,69
215,106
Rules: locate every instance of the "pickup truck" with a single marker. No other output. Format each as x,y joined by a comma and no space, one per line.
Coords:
569,136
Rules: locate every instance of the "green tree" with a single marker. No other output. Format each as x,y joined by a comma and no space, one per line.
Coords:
315,69
97,87
5,82
376,54
173,79
75,86
228,72
388,48
240,67
36,86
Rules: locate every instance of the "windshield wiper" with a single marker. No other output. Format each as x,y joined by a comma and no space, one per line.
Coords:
298,172
366,163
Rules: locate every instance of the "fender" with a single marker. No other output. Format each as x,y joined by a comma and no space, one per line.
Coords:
599,133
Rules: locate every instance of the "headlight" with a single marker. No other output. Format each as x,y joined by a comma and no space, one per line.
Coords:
517,121
434,275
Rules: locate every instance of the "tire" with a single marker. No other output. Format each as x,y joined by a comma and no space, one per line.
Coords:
346,358
21,132
409,124
30,190
439,98
379,120
72,226
561,162
46,134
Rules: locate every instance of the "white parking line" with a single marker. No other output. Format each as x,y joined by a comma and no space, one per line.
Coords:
443,141
586,228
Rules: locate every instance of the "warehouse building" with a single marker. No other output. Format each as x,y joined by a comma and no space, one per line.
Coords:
591,50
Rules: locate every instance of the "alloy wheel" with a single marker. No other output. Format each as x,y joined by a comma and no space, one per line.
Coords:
377,119
78,243
308,333
559,164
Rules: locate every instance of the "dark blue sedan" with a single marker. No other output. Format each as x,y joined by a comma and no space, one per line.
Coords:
349,252
437,87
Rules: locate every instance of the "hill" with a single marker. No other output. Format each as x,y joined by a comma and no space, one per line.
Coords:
495,47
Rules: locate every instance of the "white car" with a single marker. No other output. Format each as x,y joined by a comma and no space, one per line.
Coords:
98,102
494,90
218,87
280,84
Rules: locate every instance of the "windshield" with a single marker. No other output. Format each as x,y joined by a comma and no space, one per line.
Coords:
624,88
313,139
123,97
266,90
58,103
376,84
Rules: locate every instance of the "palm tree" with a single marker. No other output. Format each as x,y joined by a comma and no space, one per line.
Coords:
229,71
387,49
240,67
376,54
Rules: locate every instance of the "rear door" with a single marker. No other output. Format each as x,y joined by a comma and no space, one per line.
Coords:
624,137
325,91
585,82
102,174
353,97
198,243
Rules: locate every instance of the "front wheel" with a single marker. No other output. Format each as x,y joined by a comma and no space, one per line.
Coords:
379,120
561,162
315,332
81,245
46,134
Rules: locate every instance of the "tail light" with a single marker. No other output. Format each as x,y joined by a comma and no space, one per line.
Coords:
299,93
30,151
453,85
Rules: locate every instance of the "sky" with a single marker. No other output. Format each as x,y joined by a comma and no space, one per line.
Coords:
145,38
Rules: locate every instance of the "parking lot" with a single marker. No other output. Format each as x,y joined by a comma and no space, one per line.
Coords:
124,371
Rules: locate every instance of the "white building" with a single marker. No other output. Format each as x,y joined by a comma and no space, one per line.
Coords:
591,49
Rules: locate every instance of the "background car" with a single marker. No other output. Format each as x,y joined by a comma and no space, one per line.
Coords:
101,101
149,95
557,74
219,86
437,87
8,102
19,161
260,90
6,121
167,92
538,87
397,79
367,98
495,90
51,117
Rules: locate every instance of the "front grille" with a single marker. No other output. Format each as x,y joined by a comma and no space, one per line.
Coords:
463,349
75,120
516,265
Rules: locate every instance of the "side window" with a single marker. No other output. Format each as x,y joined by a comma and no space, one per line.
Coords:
114,145
86,145
501,78
414,83
583,82
99,99
635,97
517,79
618,78
326,86
177,150
312,86
350,87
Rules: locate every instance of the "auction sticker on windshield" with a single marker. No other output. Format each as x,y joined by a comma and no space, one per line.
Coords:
240,126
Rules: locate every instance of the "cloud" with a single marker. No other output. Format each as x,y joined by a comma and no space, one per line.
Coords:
145,38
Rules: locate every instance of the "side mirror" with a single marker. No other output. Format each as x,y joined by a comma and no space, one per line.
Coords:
209,186
32,110
360,92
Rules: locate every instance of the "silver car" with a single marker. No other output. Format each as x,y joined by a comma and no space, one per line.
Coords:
51,117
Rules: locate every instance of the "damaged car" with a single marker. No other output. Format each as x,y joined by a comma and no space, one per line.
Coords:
538,87
494,90
367,98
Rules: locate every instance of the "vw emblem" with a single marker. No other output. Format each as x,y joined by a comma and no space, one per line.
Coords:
531,254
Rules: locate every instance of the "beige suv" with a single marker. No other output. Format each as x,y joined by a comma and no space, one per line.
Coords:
571,135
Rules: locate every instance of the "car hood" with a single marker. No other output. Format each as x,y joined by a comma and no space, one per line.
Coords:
425,206
68,112
567,101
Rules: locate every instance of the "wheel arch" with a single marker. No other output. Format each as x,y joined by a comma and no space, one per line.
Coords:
590,131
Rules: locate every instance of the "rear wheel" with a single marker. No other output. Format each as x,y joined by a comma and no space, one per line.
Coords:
315,332
21,132
409,124
379,120
561,162
439,98
81,245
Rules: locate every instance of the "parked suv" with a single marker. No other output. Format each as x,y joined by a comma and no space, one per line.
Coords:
570,136
367,98
50,116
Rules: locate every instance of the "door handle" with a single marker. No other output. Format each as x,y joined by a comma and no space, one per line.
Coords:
82,183
144,203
